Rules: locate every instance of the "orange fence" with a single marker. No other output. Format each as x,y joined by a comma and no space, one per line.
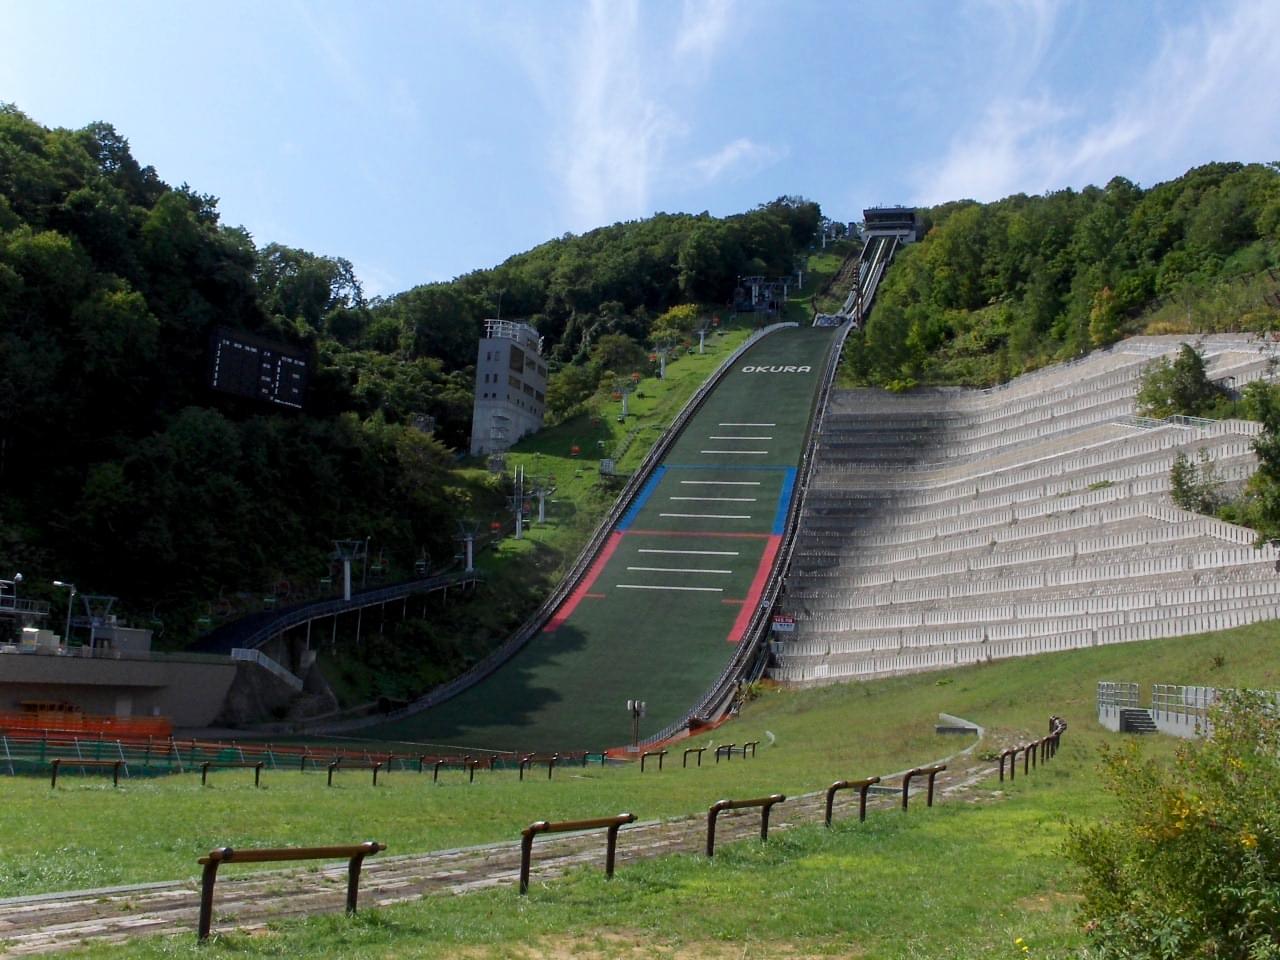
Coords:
66,721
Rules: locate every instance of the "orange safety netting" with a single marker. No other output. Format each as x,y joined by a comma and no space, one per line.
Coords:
61,721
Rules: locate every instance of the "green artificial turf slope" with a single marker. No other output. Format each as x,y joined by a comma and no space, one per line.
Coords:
663,633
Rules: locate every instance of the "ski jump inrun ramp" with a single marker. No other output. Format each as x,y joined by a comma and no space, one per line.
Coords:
661,607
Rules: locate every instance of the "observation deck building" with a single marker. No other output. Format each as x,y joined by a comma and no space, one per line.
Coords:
511,386
902,223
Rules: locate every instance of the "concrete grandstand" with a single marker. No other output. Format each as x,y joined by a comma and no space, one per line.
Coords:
950,526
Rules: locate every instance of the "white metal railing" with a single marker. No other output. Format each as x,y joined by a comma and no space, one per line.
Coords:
1117,694
264,661
1171,700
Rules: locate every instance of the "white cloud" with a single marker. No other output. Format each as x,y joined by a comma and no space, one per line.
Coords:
703,27
617,131
620,87
377,282
742,157
1206,95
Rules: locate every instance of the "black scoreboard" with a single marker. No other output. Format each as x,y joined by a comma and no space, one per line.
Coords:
259,369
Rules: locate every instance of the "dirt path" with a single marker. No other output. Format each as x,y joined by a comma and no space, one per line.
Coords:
51,922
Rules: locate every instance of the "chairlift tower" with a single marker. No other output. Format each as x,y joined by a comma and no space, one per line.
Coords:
467,536
626,387
542,489
515,502
346,551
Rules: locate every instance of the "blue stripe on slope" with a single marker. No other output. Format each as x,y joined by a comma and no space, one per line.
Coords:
784,502
641,499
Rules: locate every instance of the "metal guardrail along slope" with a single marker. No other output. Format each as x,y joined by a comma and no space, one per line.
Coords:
252,632
535,623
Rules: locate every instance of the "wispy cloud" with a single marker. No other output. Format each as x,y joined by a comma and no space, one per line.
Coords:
623,103
703,27
742,157
1202,97
375,281
617,130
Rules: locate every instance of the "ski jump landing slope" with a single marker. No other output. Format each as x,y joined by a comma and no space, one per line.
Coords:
660,610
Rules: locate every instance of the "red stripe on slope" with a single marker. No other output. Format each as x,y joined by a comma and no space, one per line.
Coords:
582,589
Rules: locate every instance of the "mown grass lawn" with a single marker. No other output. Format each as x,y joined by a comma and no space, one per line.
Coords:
963,880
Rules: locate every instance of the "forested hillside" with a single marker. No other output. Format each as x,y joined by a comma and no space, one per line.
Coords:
995,289
123,472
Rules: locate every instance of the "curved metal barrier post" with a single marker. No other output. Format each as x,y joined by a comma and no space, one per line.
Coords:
930,772
1012,755
765,804
862,786
355,855
56,762
697,750
542,826
660,754
256,765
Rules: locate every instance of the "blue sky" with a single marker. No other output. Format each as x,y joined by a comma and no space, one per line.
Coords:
422,140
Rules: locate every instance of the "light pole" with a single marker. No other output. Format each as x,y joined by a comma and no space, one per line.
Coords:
66,632
11,603
637,710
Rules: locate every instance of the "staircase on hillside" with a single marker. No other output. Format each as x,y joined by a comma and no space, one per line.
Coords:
1136,720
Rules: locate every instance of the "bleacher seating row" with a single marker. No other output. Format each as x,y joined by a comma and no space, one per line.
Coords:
950,526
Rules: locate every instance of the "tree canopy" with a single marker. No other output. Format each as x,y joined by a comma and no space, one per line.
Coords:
998,288
123,471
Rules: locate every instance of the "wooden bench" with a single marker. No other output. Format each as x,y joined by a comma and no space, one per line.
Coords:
355,855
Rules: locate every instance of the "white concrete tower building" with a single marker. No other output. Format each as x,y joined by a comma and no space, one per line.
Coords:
511,386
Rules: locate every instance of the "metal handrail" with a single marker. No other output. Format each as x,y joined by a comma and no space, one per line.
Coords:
323,608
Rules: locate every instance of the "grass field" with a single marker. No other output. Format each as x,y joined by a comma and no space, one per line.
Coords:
965,880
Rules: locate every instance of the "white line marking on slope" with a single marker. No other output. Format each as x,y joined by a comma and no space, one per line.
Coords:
677,570
708,516
641,586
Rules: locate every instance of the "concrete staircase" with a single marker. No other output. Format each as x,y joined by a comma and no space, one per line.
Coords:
1137,720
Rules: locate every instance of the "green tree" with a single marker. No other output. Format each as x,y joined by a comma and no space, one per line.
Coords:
570,386
1177,387
1188,862
616,353
1195,486
676,323
1104,319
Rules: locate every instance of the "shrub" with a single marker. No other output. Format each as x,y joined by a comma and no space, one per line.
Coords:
1188,867
1180,386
